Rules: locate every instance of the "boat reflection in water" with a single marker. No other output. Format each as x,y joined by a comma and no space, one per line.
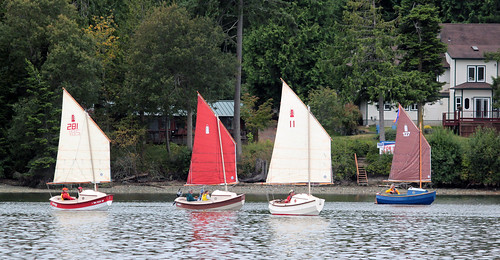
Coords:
211,227
298,236
80,231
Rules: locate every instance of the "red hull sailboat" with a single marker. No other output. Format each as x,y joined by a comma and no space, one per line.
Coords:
213,162
83,156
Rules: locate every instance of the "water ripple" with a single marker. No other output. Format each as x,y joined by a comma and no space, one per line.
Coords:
354,230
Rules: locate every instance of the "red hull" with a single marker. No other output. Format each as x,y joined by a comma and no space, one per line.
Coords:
86,205
212,205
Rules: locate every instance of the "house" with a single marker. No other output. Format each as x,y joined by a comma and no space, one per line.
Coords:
224,109
466,96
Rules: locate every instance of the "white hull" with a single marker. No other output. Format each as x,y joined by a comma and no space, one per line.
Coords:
300,205
220,200
87,200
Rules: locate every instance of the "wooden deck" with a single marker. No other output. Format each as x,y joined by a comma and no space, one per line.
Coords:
464,124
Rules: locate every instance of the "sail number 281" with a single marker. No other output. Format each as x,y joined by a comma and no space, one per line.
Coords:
73,129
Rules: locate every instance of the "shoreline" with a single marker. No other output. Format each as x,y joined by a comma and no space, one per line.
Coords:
246,188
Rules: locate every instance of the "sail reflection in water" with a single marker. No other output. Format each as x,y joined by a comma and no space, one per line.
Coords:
79,231
459,227
298,236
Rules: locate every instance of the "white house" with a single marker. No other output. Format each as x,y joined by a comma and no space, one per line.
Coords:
467,77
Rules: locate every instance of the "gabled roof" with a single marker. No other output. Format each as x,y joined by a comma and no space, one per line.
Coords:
470,41
473,85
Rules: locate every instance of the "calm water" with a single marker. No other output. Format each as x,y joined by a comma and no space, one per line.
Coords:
148,226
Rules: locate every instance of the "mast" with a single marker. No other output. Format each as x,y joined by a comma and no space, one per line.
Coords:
420,153
221,152
90,148
308,150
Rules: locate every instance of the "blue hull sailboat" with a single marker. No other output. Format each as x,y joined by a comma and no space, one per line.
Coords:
411,163
415,196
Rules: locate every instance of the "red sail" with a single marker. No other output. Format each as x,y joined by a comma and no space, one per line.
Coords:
406,160
207,160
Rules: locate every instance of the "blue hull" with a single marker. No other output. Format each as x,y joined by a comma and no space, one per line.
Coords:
414,199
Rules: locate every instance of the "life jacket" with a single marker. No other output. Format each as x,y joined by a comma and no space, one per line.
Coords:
65,196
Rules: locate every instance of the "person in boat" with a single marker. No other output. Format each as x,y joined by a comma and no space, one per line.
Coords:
65,195
189,196
289,198
205,196
392,190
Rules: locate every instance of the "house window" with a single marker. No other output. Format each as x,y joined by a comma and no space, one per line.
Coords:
481,107
413,107
458,103
466,103
476,73
471,74
480,73
387,107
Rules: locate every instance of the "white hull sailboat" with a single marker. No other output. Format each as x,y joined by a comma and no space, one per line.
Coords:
301,154
301,205
213,162
83,157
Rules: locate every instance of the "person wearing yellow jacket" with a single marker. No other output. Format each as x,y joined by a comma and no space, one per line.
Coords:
392,190
205,196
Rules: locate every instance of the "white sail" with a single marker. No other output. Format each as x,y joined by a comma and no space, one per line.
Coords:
83,154
301,146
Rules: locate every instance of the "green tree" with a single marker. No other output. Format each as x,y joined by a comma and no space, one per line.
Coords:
35,129
367,56
447,155
256,118
422,50
457,11
289,46
482,158
71,62
171,57
496,80
335,117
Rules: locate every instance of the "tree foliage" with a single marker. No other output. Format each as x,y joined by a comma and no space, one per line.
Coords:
131,59
482,158
422,51
335,117
257,117
289,46
447,156
35,129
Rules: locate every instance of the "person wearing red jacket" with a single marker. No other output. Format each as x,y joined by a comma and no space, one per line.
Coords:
289,198
65,195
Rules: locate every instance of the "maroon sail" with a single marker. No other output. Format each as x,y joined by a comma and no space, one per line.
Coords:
412,152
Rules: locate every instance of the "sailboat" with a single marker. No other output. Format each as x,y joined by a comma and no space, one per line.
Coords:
213,162
411,162
301,154
83,156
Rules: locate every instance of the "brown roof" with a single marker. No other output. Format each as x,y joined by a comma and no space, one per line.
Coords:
460,39
473,85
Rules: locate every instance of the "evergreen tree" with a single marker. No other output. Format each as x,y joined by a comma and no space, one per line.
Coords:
289,45
34,131
423,51
367,56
